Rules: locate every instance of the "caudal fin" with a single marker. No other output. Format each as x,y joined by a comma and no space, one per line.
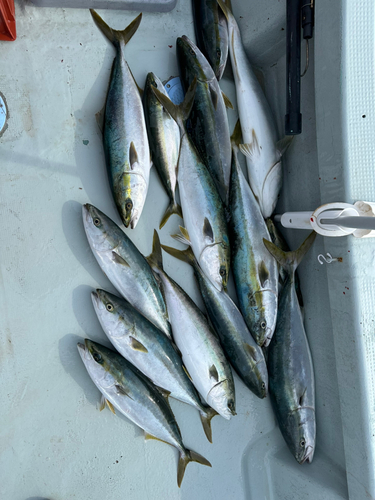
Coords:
189,456
180,113
226,7
184,255
174,208
155,259
206,418
290,260
115,36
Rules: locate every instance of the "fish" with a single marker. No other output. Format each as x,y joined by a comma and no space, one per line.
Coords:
208,121
204,214
128,391
125,267
211,31
254,269
147,348
164,140
240,348
278,239
291,371
201,351
262,150
125,140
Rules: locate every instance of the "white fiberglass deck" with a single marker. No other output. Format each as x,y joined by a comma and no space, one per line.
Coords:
54,442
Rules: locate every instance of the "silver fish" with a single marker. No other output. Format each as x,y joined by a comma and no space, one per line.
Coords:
201,351
204,216
147,348
127,390
254,269
164,138
241,349
263,152
124,132
290,365
125,267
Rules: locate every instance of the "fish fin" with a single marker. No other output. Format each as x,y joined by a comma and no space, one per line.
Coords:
214,97
119,260
283,144
251,350
184,255
136,345
102,403
173,208
181,112
236,137
187,373
290,260
163,392
150,436
122,391
227,102
100,117
176,348
133,155
110,406
183,237
207,230
226,9
155,259
115,36
213,373
301,400
251,150
206,418
263,273
185,458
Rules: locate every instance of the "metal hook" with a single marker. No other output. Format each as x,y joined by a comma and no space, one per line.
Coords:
307,58
328,259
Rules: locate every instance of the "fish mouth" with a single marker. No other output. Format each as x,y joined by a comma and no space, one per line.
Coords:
220,71
309,454
268,337
83,351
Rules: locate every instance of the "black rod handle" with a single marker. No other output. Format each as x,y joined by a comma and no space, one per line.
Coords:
293,117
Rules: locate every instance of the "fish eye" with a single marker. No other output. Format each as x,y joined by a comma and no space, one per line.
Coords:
97,221
302,443
218,52
263,385
192,52
97,357
109,307
222,272
129,205
263,325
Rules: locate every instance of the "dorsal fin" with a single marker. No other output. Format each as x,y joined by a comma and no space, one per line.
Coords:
263,273
207,230
227,102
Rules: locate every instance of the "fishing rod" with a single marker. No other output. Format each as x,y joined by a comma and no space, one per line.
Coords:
299,14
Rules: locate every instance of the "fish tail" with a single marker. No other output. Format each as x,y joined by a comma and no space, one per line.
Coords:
115,36
185,457
155,259
290,260
174,208
180,113
206,416
184,255
226,7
